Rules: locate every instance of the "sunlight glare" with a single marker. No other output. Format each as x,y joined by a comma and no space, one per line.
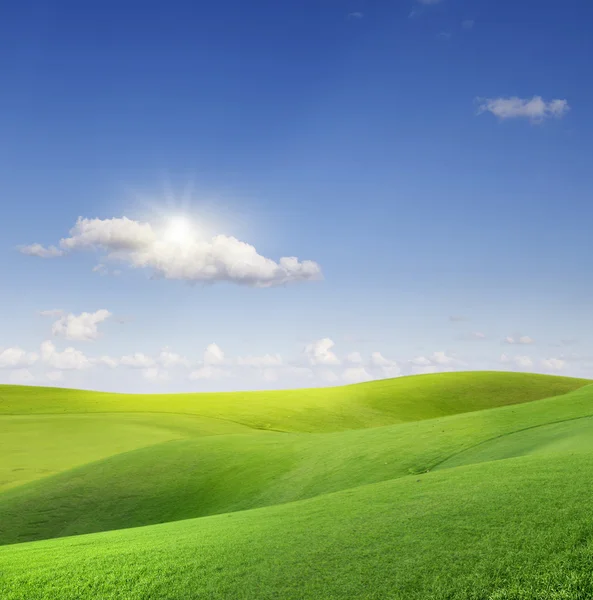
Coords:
179,230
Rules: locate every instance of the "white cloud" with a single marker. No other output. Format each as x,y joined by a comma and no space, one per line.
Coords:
524,339
21,376
106,361
387,367
41,251
69,359
82,327
468,24
188,257
55,375
437,359
421,361
54,312
209,372
478,335
155,374
523,361
137,360
169,359
458,318
519,361
440,358
213,355
429,1
356,375
101,269
355,15
267,360
319,352
534,109
354,358
553,364
17,357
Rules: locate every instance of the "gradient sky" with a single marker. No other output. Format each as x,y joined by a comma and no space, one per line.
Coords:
432,159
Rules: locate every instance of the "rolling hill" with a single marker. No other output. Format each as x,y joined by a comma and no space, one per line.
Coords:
457,485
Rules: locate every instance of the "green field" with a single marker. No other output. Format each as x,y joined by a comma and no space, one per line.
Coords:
447,486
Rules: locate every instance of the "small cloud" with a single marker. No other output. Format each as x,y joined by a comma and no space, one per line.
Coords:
69,359
524,339
265,361
106,361
169,359
40,251
534,109
457,318
519,361
429,2
553,364
355,15
101,269
437,360
82,327
17,357
388,368
468,24
445,36
356,375
209,372
473,336
54,312
320,353
155,374
213,355
137,360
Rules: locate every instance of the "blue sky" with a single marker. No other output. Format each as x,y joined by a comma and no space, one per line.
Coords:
422,161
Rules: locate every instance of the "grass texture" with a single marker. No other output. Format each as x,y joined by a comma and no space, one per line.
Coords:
404,489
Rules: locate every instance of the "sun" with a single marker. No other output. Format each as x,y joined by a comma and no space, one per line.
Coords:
179,230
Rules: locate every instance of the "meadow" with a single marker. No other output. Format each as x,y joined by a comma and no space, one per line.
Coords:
448,486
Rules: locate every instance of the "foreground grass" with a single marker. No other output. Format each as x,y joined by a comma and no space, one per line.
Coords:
515,529
187,478
469,486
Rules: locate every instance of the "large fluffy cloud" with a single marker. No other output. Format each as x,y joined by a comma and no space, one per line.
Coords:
189,257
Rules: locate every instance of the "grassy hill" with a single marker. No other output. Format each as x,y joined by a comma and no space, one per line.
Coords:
405,489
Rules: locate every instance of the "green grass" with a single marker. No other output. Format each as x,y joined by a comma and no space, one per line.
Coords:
310,410
520,529
404,489
34,446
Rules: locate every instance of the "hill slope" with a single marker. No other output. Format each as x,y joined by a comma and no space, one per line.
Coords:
408,489
195,477
516,529
357,406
